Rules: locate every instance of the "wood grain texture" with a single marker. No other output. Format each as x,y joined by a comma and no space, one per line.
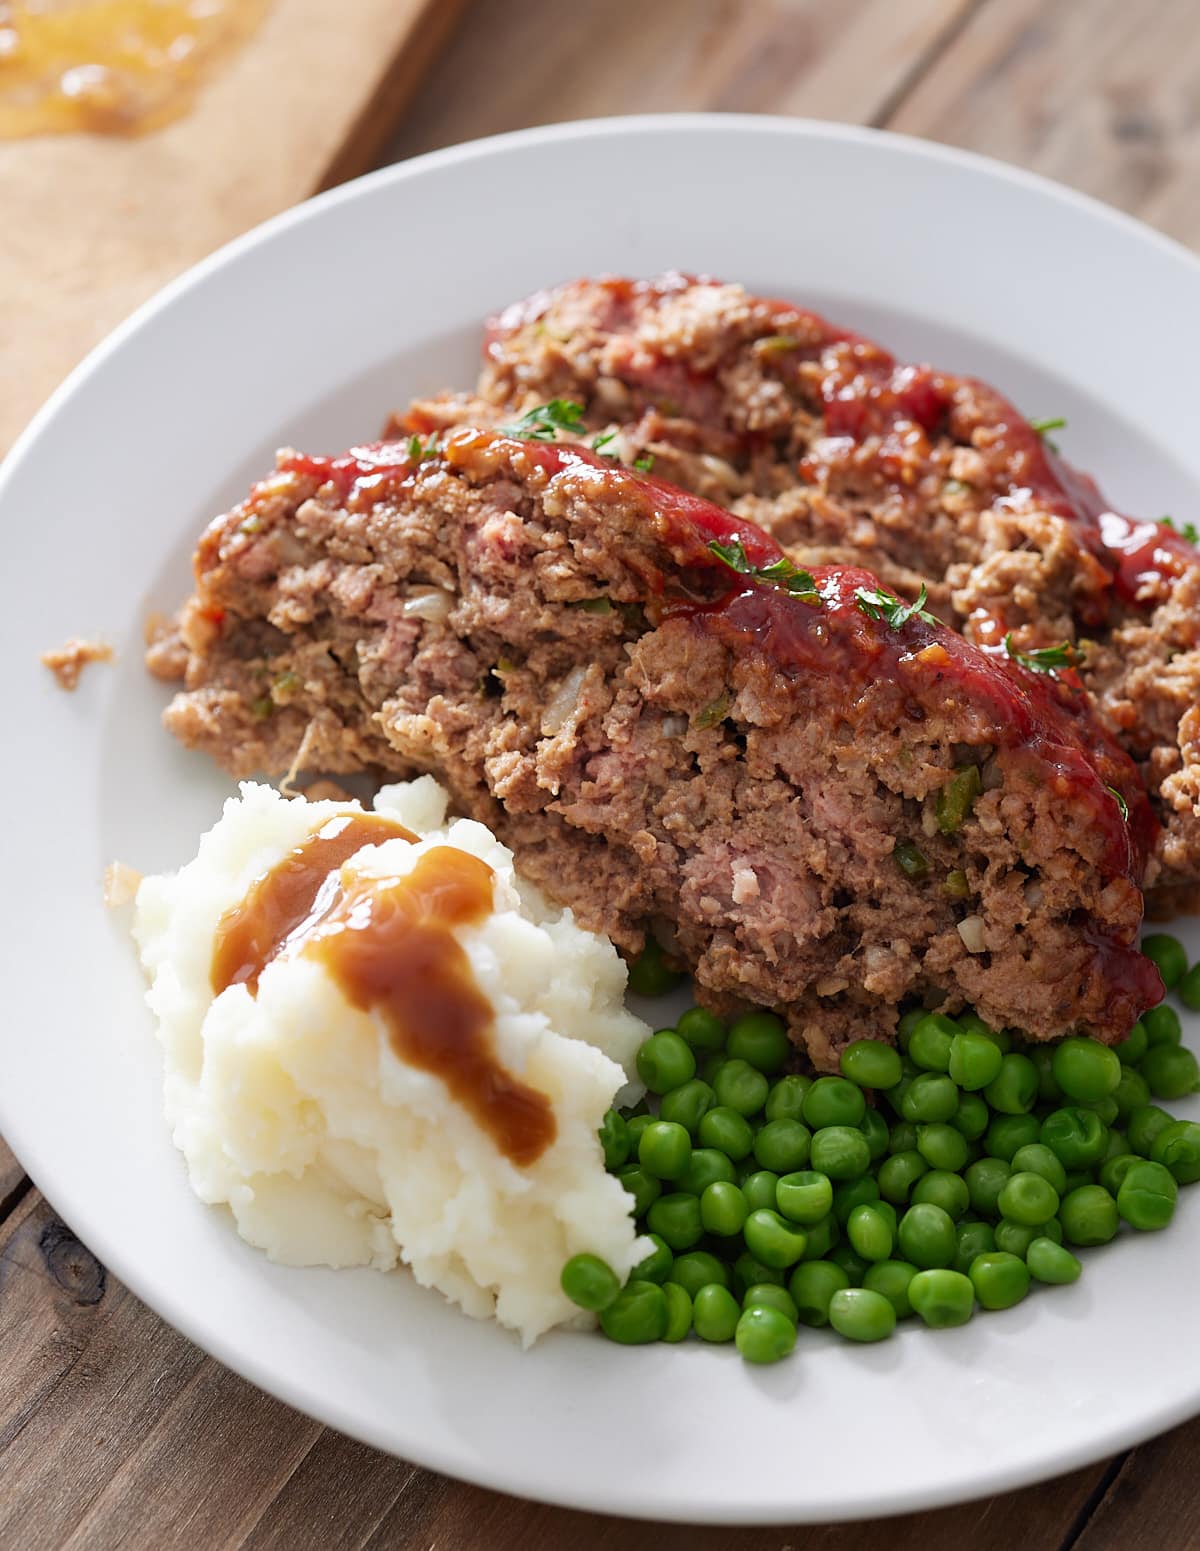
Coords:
1096,93
12,1179
847,61
93,226
113,1429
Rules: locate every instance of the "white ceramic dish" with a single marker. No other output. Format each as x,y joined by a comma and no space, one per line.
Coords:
306,331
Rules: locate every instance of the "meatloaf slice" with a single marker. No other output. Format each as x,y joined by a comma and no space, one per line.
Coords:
823,800
846,456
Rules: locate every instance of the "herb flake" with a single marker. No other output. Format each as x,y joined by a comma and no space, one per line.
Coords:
543,422
1042,427
645,463
1045,659
1122,805
878,603
1189,530
780,572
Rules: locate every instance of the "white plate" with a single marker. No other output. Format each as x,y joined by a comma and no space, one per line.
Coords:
307,331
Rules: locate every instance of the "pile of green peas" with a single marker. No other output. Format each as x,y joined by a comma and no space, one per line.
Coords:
926,1180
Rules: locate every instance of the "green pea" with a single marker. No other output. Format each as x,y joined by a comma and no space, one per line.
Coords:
1089,1215
895,1096
891,1279
973,1238
1085,1070
679,1312
852,1193
942,1188
702,1029
972,1023
1077,1137
986,1178
1144,1126
906,1026
740,1087
903,1137
687,1105
1146,1199
785,1101
971,1117
643,1187
764,1335
614,1140
851,1262
1014,1237
871,1064
874,1127
665,1061
782,1145
942,1147
1106,1108
859,1314
637,1315
999,1279
1008,1133
728,1131
715,1313
973,1061
1177,1147
760,1039
870,1233
930,1099
664,1149
723,1209
812,1286
709,1065
676,1218
932,1041
634,1127
840,1151
1132,1092
1168,954
1134,1046
1042,1057
1114,1170
832,1101
1188,989
748,1272
822,1237
942,1298
1162,1026
696,1270
898,1174
1037,1158
591,1282
1170,1071
759,1189
771,1239
1014,1089
650,974
1028,1198
926,1236
1078,1177
804,1197
656,1266
1050,1262
707,1166
766,1295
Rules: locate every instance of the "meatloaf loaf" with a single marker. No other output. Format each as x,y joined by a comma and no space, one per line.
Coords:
847,457
820,798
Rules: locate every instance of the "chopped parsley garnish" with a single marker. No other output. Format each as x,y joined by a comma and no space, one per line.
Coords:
645,463
1120,802
1045,659
602,441
418,450
1057,423
878,603
799,583
1189,530
543,421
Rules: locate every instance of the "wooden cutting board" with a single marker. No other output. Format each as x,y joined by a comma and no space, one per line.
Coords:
91,226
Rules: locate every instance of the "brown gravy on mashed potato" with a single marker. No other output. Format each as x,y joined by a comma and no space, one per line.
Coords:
389,945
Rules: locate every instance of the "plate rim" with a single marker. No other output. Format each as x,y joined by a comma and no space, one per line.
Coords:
189,1321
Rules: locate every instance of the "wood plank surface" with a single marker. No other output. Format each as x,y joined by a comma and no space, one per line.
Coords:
113,1429
94,225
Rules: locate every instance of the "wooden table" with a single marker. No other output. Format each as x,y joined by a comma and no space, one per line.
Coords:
113,1429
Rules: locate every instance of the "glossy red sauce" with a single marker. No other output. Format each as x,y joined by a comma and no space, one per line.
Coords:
389,945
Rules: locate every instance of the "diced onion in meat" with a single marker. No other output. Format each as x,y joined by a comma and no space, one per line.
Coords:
562,703
971,932
433,605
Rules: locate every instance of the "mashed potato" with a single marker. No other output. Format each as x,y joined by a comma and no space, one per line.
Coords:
293,1107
